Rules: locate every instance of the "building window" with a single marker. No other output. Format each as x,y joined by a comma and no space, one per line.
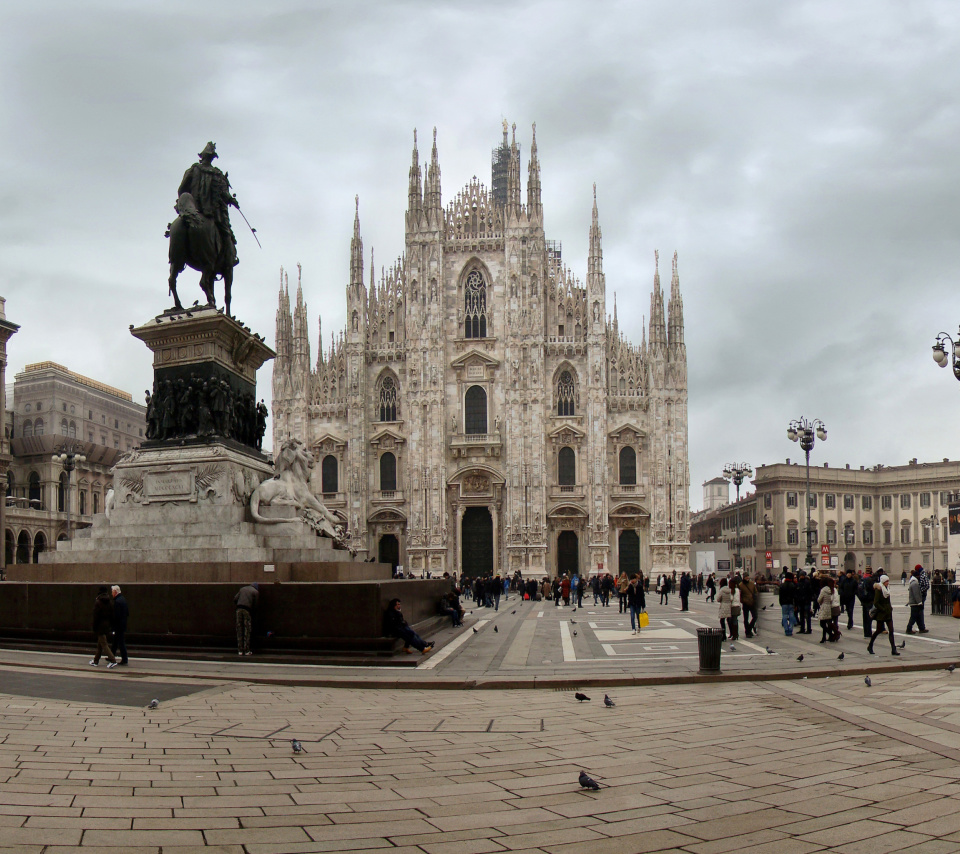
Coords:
767,501
62,493
848,502
925,536
886,502
11,484
924,499
944,499
628,466
387,403
39,406
116,423
887,536
64,428
329,475
868,536
814,537
768,538
793,536
848,535
831,536
38,426
27,429
64,406
96,502
475,411
35,493
791,499
866,502
813,500
388,472
475,307
90,415
565,394
830,501
567,466
83,502
73,430
26,408
905,501
905,535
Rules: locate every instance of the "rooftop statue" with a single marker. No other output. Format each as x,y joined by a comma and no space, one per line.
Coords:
201,236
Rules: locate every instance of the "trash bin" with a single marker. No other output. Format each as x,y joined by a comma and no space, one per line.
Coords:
709,643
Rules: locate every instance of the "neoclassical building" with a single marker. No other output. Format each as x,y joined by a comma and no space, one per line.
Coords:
481,411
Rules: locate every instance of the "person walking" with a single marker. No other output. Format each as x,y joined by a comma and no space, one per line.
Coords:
663,588
825,610
606,589
924,589
595,587
622,584
915,601
883,609
865,595
803,599
636,602
581,589
102,617
711,588
246,603
736,608
848,595
565,590
724,598
121,613
787,597
749,596
686,584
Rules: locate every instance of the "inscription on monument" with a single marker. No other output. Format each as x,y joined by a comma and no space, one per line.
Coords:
168,485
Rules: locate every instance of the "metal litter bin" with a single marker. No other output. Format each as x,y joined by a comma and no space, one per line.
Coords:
709,644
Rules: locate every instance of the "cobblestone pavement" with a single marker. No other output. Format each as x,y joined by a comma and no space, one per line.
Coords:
789,767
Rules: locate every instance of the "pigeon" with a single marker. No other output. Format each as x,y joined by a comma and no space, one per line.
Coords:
866,681
764,608
608,702
475,629
840,657
587,782
296,745
732,648
496,629
800,657
574,622
574,632
769,651
154,704
514,611
581,697
903,644
951,668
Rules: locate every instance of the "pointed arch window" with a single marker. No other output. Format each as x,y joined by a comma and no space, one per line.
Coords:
27,429
567,466
388,472
387,402
566,394
628,466
38,425
475,307
475,410
329,471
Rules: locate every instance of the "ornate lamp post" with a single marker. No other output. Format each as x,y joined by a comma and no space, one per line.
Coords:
804,431
69,460
940,352
932,522
737,472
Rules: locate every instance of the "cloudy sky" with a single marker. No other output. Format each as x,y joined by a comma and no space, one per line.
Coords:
802,158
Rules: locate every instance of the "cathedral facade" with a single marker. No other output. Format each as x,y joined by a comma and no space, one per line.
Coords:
481,412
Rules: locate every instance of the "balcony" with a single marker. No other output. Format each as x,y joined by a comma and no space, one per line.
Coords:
387,496
627,490
567,493
475,444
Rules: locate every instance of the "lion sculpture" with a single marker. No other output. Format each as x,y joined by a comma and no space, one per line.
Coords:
289,487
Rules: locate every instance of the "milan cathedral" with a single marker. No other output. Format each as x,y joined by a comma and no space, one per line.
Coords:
481,412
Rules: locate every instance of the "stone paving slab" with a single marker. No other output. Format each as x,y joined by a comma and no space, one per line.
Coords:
802,766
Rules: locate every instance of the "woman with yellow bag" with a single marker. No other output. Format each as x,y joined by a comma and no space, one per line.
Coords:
638,603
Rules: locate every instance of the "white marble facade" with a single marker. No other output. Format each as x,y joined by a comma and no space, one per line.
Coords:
482,410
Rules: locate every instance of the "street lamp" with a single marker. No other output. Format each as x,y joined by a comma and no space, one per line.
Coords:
737,472
940,352
69,460
932,522
802,430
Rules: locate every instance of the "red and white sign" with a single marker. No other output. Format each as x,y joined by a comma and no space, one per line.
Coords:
825,555
769,560
600,565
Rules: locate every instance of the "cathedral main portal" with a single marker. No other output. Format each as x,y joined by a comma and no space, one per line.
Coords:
476,538
568,554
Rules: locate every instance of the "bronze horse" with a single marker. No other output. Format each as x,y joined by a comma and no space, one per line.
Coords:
196,242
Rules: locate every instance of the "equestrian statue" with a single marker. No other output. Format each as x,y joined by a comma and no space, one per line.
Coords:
201,236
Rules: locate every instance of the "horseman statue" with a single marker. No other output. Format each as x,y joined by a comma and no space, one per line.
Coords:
201,236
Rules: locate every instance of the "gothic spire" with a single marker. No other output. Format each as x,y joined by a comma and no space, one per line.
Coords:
675,308
658,329
356,253
534,203
595,278
431,200
415,199
513,177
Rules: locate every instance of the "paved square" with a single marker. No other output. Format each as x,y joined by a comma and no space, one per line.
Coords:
789,766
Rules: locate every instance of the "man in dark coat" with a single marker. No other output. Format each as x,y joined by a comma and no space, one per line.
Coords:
788,591
803,599
685,585
121,612
102,615
847,588
865,595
